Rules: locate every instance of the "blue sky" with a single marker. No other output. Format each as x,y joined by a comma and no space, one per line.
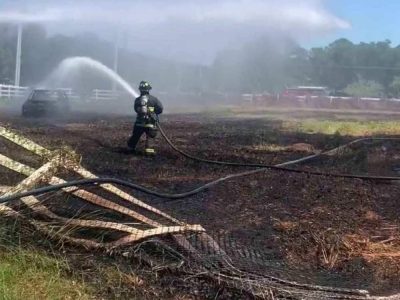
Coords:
371,20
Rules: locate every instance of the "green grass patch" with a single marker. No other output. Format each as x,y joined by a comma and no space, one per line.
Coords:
34,275
27,271
349,128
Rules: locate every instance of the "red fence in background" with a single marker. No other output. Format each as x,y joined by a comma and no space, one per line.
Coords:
328,102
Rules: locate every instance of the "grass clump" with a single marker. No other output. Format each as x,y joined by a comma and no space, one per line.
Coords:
31,273
28,274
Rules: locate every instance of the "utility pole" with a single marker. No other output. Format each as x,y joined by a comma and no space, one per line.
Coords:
116,58
201,83
18,57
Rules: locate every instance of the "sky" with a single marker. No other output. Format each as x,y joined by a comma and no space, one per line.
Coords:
371,20
195,30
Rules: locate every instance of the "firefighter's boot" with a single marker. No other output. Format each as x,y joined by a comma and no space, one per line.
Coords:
149,150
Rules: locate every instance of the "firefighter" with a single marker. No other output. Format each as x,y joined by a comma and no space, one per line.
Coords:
147,108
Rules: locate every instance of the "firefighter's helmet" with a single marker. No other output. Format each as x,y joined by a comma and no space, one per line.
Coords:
144,86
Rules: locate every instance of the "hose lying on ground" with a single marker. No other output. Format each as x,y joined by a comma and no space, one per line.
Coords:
257,165
216,162
171,197
95,181
282,166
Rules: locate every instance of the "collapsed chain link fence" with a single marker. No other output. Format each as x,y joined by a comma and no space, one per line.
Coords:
108,217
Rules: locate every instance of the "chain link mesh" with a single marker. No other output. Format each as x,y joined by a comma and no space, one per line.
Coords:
111,218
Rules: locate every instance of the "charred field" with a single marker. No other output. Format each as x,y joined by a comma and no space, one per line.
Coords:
313,229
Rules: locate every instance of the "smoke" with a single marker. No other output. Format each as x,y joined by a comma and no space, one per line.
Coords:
15,16
308,14
189,30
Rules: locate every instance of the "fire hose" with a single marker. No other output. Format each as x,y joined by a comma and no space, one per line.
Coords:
172,197
280,166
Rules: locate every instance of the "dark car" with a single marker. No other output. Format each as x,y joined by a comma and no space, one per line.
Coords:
46,103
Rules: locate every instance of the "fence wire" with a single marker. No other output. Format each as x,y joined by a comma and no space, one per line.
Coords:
111,218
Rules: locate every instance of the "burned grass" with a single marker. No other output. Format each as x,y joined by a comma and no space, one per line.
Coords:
322,230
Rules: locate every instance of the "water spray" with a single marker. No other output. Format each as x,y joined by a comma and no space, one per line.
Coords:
68,65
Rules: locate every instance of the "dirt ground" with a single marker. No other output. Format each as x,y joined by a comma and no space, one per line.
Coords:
325,230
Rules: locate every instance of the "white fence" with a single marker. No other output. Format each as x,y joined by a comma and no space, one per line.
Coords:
10,91
254,97
331,98
106,95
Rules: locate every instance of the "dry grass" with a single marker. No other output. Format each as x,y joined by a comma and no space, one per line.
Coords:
328,248
272,148
349,128
370,250
284,226
267,148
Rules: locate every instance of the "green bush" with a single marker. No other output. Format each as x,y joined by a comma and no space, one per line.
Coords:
365,88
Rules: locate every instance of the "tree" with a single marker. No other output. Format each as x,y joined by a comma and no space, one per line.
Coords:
265,64
395,87
365,88
332,65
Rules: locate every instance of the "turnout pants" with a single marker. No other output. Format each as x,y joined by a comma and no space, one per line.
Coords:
138,131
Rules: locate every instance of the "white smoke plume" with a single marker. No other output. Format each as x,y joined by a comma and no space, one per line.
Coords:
199,27
306,13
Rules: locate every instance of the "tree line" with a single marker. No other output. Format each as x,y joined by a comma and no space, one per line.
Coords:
267,64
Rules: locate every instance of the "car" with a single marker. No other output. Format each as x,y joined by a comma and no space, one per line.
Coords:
46,103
